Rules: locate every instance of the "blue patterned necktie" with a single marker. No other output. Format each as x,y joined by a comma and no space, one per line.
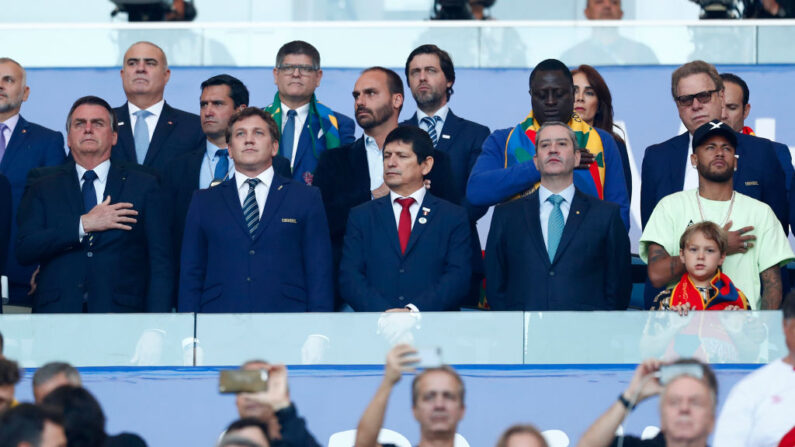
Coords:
554,225
288,136
222,167
430,122
141,135
250,207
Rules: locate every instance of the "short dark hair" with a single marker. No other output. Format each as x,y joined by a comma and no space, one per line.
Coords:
421,143
788,306
445,62
708,377
298,47
693,68
733,78
394,83
25,423
552,65
237,90
83,419
253,111
415,384
46,372
519,429
9,372
95,101
240,424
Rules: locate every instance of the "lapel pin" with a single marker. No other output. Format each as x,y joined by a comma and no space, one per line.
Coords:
24,130
121,123
577,212
170,123
423,220
445,136
279,188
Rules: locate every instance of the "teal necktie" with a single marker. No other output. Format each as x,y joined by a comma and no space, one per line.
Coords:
554,225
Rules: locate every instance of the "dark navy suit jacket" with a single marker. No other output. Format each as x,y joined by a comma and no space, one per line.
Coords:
591,268
176,132
311,143
5,223
121,271
434,272
285,267
759,173
31,146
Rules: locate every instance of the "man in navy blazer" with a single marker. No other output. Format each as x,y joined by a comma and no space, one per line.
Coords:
698,91
307,127
257,242
406,250
98,229
5,223
23,146
164,132
557,248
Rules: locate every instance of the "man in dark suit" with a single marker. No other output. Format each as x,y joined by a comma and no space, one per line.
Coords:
351,175
307,127
151,132
257,242
431,75
5,224
557,248
699,95
23,146
407,250
95,254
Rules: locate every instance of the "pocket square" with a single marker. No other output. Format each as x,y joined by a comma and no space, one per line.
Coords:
289,220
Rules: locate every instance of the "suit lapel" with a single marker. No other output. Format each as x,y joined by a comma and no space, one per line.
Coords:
412,121
113,188
532,216
229,193
15,144
126,142
304,140
163,128
386,220
276,194
579,206
424,217
358,159
679,161
450,129
71,187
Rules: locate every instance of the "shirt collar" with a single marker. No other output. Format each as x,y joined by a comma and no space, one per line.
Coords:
266,177
441,113
370,144
302,111
101,170
211,149
11,123
567,194
418,195
155,109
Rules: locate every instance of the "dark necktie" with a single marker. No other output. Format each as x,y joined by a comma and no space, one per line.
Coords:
89,193
288,136
404,225
555,225
222,166
250,207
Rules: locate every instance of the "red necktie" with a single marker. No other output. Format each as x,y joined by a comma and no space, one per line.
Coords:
404,226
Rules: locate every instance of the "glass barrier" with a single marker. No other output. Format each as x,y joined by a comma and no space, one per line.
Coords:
99,339
489,44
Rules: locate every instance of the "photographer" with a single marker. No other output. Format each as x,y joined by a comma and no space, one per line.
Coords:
687,406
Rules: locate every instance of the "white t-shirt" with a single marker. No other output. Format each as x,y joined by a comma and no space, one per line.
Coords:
760,409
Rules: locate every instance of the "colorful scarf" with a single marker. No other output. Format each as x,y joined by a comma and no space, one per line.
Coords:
520,147
328,121
747,131
722,294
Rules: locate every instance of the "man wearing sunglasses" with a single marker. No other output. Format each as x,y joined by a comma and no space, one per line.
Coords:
698,93
307,127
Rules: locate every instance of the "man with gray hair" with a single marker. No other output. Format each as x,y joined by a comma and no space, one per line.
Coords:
557,248
53,375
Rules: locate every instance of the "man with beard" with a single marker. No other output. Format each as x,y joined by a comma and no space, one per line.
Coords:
354,174
756,250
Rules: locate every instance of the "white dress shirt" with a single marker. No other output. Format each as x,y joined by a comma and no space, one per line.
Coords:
546,207
151,121
691,173
441,113
207,171
300,118
414,208
375,162
100,182
11,124
261,190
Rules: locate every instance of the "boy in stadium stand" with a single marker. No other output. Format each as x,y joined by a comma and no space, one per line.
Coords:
759,410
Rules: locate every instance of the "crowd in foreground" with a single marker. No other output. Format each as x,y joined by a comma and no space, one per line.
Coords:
758,411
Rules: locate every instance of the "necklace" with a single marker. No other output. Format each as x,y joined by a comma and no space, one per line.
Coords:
701,210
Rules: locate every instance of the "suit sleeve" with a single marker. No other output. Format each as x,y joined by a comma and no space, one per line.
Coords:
193,263
54,154
38,239
317,257
774,190
490,181
648,186
475,149
615,189
5,221
347,129
293,429
354,287
160,297
337,201
785,158
496,268
450,290
618,274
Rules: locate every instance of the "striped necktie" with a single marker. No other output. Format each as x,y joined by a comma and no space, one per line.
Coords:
555,225
430,122
250,207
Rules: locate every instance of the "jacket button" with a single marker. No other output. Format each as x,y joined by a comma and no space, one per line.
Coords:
401,298
251,252
248,279
552,273
90,254
402,270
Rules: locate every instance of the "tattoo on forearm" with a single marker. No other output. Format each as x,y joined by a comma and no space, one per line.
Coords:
656,253
771,288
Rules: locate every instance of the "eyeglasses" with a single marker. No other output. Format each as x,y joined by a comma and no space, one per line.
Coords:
304,70
703,98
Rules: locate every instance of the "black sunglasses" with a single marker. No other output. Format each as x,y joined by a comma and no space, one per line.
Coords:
703,97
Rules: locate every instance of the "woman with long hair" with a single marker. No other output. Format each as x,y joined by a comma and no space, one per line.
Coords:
594,105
